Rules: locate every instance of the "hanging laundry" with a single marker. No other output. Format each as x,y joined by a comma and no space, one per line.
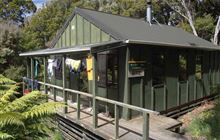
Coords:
50,68
36,67
36,85
74,65
83,64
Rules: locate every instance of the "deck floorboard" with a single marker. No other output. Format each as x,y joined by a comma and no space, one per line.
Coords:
129,129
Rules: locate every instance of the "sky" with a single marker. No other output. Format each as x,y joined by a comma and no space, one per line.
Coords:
39,3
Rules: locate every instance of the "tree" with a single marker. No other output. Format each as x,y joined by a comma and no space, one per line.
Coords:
26,117
43,26
197,13
15,10
10,47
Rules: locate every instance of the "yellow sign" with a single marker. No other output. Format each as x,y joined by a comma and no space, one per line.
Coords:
89,68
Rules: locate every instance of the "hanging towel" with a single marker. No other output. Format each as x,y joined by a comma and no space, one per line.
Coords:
36,67
75,64
50,68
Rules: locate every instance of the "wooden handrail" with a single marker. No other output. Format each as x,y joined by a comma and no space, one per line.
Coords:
146,112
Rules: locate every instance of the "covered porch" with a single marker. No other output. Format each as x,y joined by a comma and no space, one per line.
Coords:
51,89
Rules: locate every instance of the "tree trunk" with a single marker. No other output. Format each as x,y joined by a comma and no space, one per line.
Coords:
217,30
190,19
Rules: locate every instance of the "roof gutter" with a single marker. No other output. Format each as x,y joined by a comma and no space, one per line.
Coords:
170,45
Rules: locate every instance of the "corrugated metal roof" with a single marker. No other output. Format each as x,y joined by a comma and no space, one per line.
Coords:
70,50
139,31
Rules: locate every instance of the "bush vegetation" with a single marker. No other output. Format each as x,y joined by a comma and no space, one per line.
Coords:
207,124
27,117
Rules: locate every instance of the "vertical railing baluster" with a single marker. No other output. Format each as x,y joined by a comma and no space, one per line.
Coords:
78,106
54,94
116,121
146,126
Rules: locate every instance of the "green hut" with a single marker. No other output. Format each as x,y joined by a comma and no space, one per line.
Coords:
152,66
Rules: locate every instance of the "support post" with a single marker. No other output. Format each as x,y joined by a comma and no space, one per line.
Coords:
28,68
165,96
78,106
146,126
195,89
94,90
116,122
54,94
32,74
178,93
23,84
152,98
45,76
187,91
64,83
126,96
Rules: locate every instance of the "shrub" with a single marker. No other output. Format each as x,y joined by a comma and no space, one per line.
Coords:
207,124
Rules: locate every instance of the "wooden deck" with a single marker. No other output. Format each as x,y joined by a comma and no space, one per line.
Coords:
160,126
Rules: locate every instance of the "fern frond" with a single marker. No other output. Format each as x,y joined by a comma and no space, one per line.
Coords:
4,80
39,128
43,110
9,96
11,118
5,136
27,101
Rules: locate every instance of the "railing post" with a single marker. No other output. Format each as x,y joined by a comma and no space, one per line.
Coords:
116,121
64,83
54,94
146,126
45,76
94,106
78,106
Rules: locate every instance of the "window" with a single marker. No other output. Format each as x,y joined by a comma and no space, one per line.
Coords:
112,72
158,67
102,70
107,69
182,67
199,67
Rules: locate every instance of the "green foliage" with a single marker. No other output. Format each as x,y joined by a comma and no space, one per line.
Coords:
27,117
207,124
15,10
10,41
15,72
5,136
204,26
43,26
